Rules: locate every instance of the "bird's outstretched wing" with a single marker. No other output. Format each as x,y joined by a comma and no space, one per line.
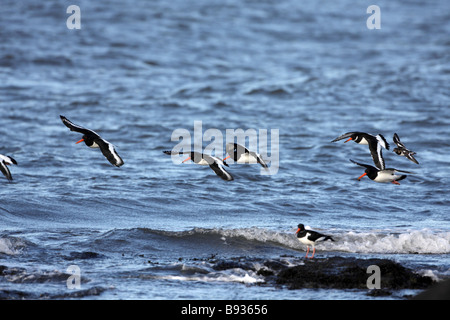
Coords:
376,153
397,141
261,161
109,152
4,169
392,170
220,171
74,127
363,165
411,157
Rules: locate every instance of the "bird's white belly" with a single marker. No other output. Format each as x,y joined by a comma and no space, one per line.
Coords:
94,145
305,240
364,141
203,162
247,158
384,177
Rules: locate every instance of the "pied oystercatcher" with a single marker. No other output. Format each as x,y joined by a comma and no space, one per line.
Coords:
375,143
310,237
241,154
382,176
93,140
4,162
205,160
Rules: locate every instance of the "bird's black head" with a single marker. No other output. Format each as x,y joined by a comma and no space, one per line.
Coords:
88,140
301,227
354,137
370,172
232,150
195,157
397,151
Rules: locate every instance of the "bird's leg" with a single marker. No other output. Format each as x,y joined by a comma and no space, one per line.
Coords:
307,251
314,251
395,182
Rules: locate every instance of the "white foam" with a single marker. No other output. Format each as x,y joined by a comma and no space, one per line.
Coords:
415,241
11,246
230,275
423,241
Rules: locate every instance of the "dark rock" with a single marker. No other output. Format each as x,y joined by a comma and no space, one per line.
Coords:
379,293
275,265
439,291
83,255
14,295
265,272
2,270
350,273
231,264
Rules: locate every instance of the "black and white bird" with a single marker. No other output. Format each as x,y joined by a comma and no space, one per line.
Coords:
310,238
382,176
241,154
93,140
401,150
375,144
216,164
5,161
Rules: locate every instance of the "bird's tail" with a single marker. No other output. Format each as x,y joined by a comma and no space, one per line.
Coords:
328,238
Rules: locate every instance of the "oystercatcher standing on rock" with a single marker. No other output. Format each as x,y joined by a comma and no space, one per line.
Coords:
310,237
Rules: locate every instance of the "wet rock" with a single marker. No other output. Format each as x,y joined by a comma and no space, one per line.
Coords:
439,291
379,293
350,273
2,270
14,295
83,255
265,272
232,264
94,291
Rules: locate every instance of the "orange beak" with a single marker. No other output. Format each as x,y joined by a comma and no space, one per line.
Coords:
362,176
297,230
79,141
226,158
348,140
186,159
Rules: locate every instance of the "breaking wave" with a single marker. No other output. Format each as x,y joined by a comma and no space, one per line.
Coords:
423,241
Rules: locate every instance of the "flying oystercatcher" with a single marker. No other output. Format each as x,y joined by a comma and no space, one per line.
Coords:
93,140
375,143
382,176
241,154
401,150
310,237
4,162
205,160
